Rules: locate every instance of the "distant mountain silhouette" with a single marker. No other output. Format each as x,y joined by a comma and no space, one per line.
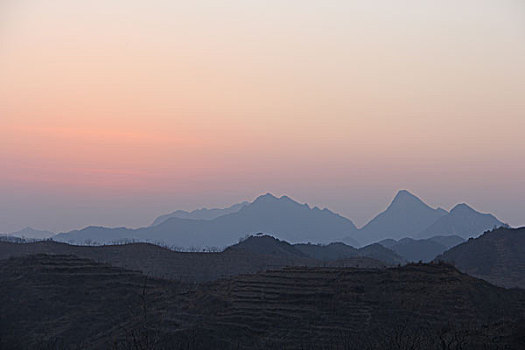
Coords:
201,214
268,245
31,233
331,252
406,216
462,221
497,256
340,251
448,241
425,250
351,241
281,217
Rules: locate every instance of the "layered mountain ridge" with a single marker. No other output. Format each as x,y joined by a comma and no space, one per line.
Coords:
281,217
407,216
253,254
200,214
425,250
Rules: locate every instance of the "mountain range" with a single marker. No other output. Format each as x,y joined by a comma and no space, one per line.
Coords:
406,217
463,221
262,290
497,256
281,217
31,233
200,214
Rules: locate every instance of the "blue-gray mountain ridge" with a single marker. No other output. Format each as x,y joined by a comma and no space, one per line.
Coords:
284,218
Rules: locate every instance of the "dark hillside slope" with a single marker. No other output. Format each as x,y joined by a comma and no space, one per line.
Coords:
415,250
63,302
424,250
334,254
377,304
268,245
377,251
164,263
336,251
448,241
497,256
329,252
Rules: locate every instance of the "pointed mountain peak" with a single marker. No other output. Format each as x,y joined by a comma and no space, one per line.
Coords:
405,197
267,244
286,198
462,208
30,232
266,197
269,198
442,211
406,216
404,194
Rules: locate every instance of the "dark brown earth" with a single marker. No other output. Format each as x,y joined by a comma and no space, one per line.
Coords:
254,255
497,256
64,302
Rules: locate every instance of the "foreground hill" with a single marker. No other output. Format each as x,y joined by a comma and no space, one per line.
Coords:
332,252
329,252
44,299
265,244
462,221
424,250
497,256
338,251
65,302
162,262
249,256
281,217
406,216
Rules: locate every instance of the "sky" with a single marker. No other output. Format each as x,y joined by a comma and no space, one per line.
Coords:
114,112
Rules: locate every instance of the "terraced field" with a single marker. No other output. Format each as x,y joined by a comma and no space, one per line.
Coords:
156,261
162,262
65,302
306,306
497,256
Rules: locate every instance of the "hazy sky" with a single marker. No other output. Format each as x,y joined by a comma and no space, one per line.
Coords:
113,112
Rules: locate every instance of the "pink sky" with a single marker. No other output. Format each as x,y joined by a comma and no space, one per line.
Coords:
112,113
